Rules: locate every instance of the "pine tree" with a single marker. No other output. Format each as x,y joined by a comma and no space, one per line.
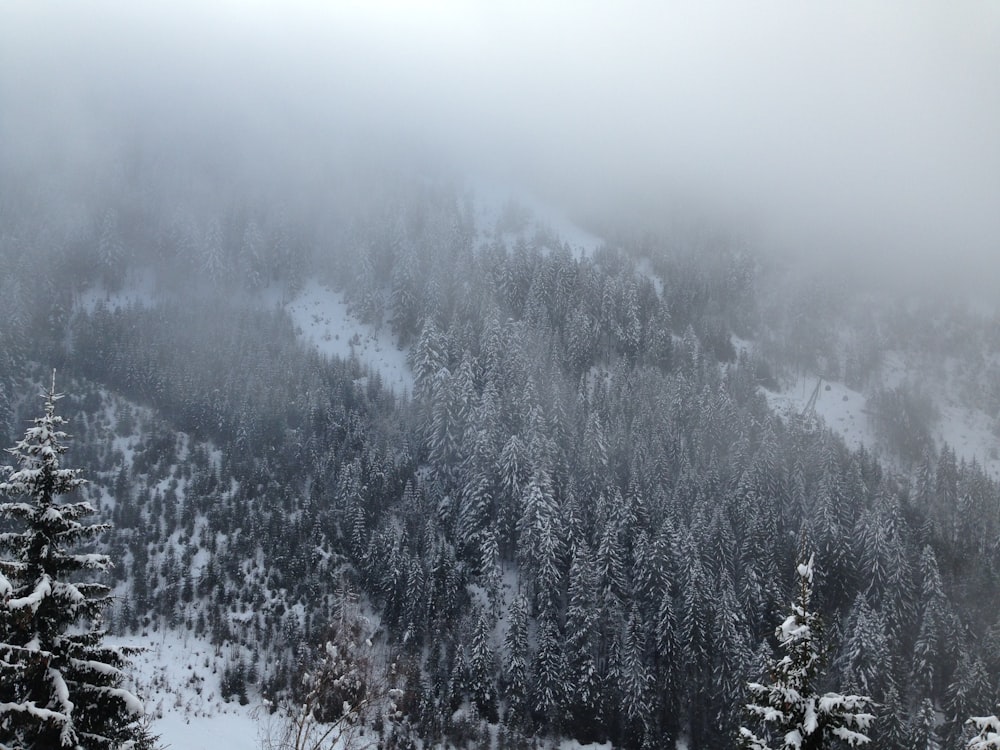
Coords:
635,682
891,731
732,654
923,728
866,659
516,664
482,668
933,653
988,737
793,715
969,688
59,686
667,657
550,687
581,643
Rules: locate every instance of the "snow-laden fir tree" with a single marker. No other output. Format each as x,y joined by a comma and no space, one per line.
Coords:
516,679
988,737
60,687
923,733
792,714
482,667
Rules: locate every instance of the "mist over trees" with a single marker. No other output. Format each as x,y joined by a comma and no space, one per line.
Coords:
580,522
585,518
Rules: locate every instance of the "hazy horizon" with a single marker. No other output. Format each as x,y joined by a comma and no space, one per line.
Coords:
849,131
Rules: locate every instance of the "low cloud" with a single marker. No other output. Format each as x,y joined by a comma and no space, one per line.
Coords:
852,130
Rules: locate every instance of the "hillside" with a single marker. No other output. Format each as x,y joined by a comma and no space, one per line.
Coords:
568,483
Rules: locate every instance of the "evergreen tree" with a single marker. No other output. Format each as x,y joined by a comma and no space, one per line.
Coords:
890,731
932,650
969,688
635,681
988,737
865,661
793,714
923,728
695,629
482,668
667,659
516,664
59,685
732,655
581,644
551,687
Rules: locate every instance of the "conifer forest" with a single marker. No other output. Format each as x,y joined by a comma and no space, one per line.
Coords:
636,476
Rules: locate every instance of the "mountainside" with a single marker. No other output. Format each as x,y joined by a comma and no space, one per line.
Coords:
565,482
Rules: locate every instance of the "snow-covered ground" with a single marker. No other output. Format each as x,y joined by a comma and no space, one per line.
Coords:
322,319
178,678
842,409
967,430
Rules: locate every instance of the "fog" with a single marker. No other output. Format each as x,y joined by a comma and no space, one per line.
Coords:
855,132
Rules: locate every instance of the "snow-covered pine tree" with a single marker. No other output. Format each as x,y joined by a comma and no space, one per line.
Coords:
59,685
516,679
988,737
793,715
969,689
581,644
923,728
482,667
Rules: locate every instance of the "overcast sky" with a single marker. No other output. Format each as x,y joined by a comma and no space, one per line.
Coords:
855,129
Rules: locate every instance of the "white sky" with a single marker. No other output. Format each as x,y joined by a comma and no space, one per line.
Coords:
868,129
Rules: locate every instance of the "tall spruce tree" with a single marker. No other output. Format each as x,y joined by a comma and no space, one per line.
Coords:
793,715
60,687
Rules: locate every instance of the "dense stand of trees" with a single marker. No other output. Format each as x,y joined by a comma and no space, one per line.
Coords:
581,521
60,686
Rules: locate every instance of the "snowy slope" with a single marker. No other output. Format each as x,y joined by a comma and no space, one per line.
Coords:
840,408
323,320
966,429
321,317
177,676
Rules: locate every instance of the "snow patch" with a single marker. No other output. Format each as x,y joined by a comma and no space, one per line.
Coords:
177,676
644,268
323,320
970,434
495,202
842,409
139,290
